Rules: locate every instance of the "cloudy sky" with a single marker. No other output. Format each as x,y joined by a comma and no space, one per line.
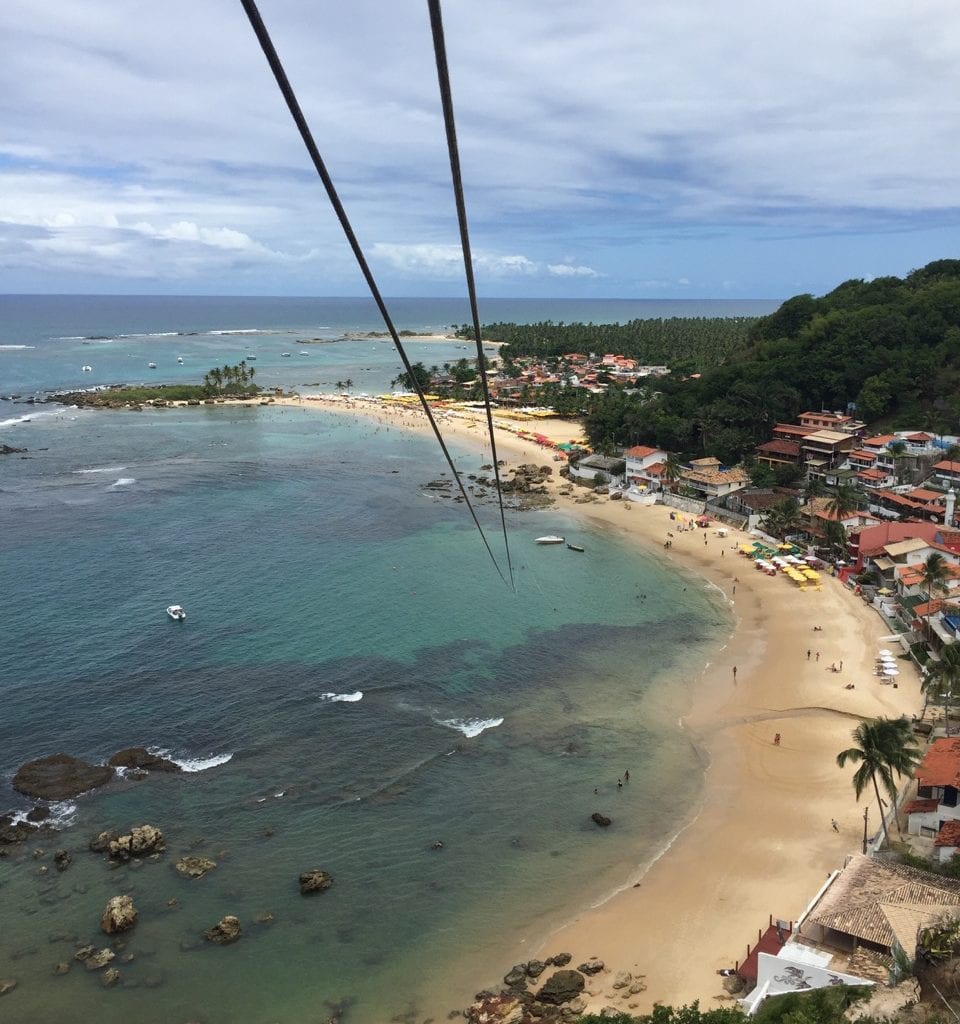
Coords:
634,148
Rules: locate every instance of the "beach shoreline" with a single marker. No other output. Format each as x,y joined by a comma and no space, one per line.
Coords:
761,842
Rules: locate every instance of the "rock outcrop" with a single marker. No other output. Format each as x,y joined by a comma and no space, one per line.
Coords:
225,931
140,757
62,859
561,987
600,819
118,915
313,881
98,959
141,841
59,777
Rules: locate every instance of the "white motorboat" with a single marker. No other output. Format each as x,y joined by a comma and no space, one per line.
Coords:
180,360
86,368
550,539
286,355
151,366
176,612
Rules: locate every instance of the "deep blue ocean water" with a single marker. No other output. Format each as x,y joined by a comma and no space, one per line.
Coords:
314,567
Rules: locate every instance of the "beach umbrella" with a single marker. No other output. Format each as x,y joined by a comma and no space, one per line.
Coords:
891,671
885,653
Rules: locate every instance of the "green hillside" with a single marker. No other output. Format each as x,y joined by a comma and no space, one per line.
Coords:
891,345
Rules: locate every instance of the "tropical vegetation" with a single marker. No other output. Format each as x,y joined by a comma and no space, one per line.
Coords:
886,748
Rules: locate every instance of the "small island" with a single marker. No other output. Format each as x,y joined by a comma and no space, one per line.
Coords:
234,382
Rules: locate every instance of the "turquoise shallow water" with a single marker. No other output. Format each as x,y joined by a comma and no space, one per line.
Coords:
312,562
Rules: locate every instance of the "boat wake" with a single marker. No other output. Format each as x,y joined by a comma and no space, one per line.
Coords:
124,481
102,469
337,698
10,347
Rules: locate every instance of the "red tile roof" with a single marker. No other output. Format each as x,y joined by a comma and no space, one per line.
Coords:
872,474
873,539
778,446
949,834
947,466
881,440
920,436
640,451
941,763
920,806
864,455
656,469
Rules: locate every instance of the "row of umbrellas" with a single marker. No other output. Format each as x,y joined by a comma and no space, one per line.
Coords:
887,663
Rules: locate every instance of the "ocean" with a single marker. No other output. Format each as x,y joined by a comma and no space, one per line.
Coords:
354,688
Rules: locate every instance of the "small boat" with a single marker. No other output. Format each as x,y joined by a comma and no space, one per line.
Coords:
574,547
286,355
550,539
180,360
250,355
151,366
86,368
176,612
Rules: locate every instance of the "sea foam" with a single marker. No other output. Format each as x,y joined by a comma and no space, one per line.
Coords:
124,481
102,469
337,698
192,764
470,727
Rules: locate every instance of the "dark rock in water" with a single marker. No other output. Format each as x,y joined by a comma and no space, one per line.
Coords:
63,859
562,987
592,966
118,915
560,959
83,953
315,881
62,968
195,867
59,777
101,842
141,841
10,833
109,978
535,968
7,985
491,1008
38,813
6,449
225,931
600,819
139,757
265,917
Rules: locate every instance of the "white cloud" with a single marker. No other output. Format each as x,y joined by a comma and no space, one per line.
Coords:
446,261
567,270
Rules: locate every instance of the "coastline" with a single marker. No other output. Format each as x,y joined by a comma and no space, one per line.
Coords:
761,842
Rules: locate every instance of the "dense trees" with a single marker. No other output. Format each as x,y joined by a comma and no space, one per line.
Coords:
891,346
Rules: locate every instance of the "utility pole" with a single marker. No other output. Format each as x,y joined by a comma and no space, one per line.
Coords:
866,811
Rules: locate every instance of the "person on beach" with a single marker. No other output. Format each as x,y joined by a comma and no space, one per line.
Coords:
818,655
734,671
626,775
619,783
840,669
808,654
834,825
776,739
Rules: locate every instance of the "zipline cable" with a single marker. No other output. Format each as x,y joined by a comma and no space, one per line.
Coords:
269,51
446,98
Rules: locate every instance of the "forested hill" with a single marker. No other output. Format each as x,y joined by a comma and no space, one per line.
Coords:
684,343
890,345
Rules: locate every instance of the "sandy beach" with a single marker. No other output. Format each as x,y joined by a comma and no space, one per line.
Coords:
761,842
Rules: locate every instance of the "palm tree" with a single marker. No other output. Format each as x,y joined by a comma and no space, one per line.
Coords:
886,747
844,499
943,680
933,579
898,449
671,470
783,518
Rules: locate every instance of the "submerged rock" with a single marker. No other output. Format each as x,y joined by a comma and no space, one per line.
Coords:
110,977
63,859
59,777
101,842
225,931
99,959
118,915
11,833
316,880
195,867
140,757
600,819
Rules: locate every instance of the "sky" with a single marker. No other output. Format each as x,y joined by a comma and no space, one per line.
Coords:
655,149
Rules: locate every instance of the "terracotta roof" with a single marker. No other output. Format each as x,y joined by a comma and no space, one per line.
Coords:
656,469
873,539
920,436
920,806
922,494
921,611
778,446
898,499
881,440
640,451
947,466
872,474
715,476
941,764
949,834
865,898
791,428
864,455
708,463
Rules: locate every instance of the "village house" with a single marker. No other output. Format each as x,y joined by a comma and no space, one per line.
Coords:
601,469
938,796
644,466
708,479
820,514
868,543
778,452
829,421
826,449
946,474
